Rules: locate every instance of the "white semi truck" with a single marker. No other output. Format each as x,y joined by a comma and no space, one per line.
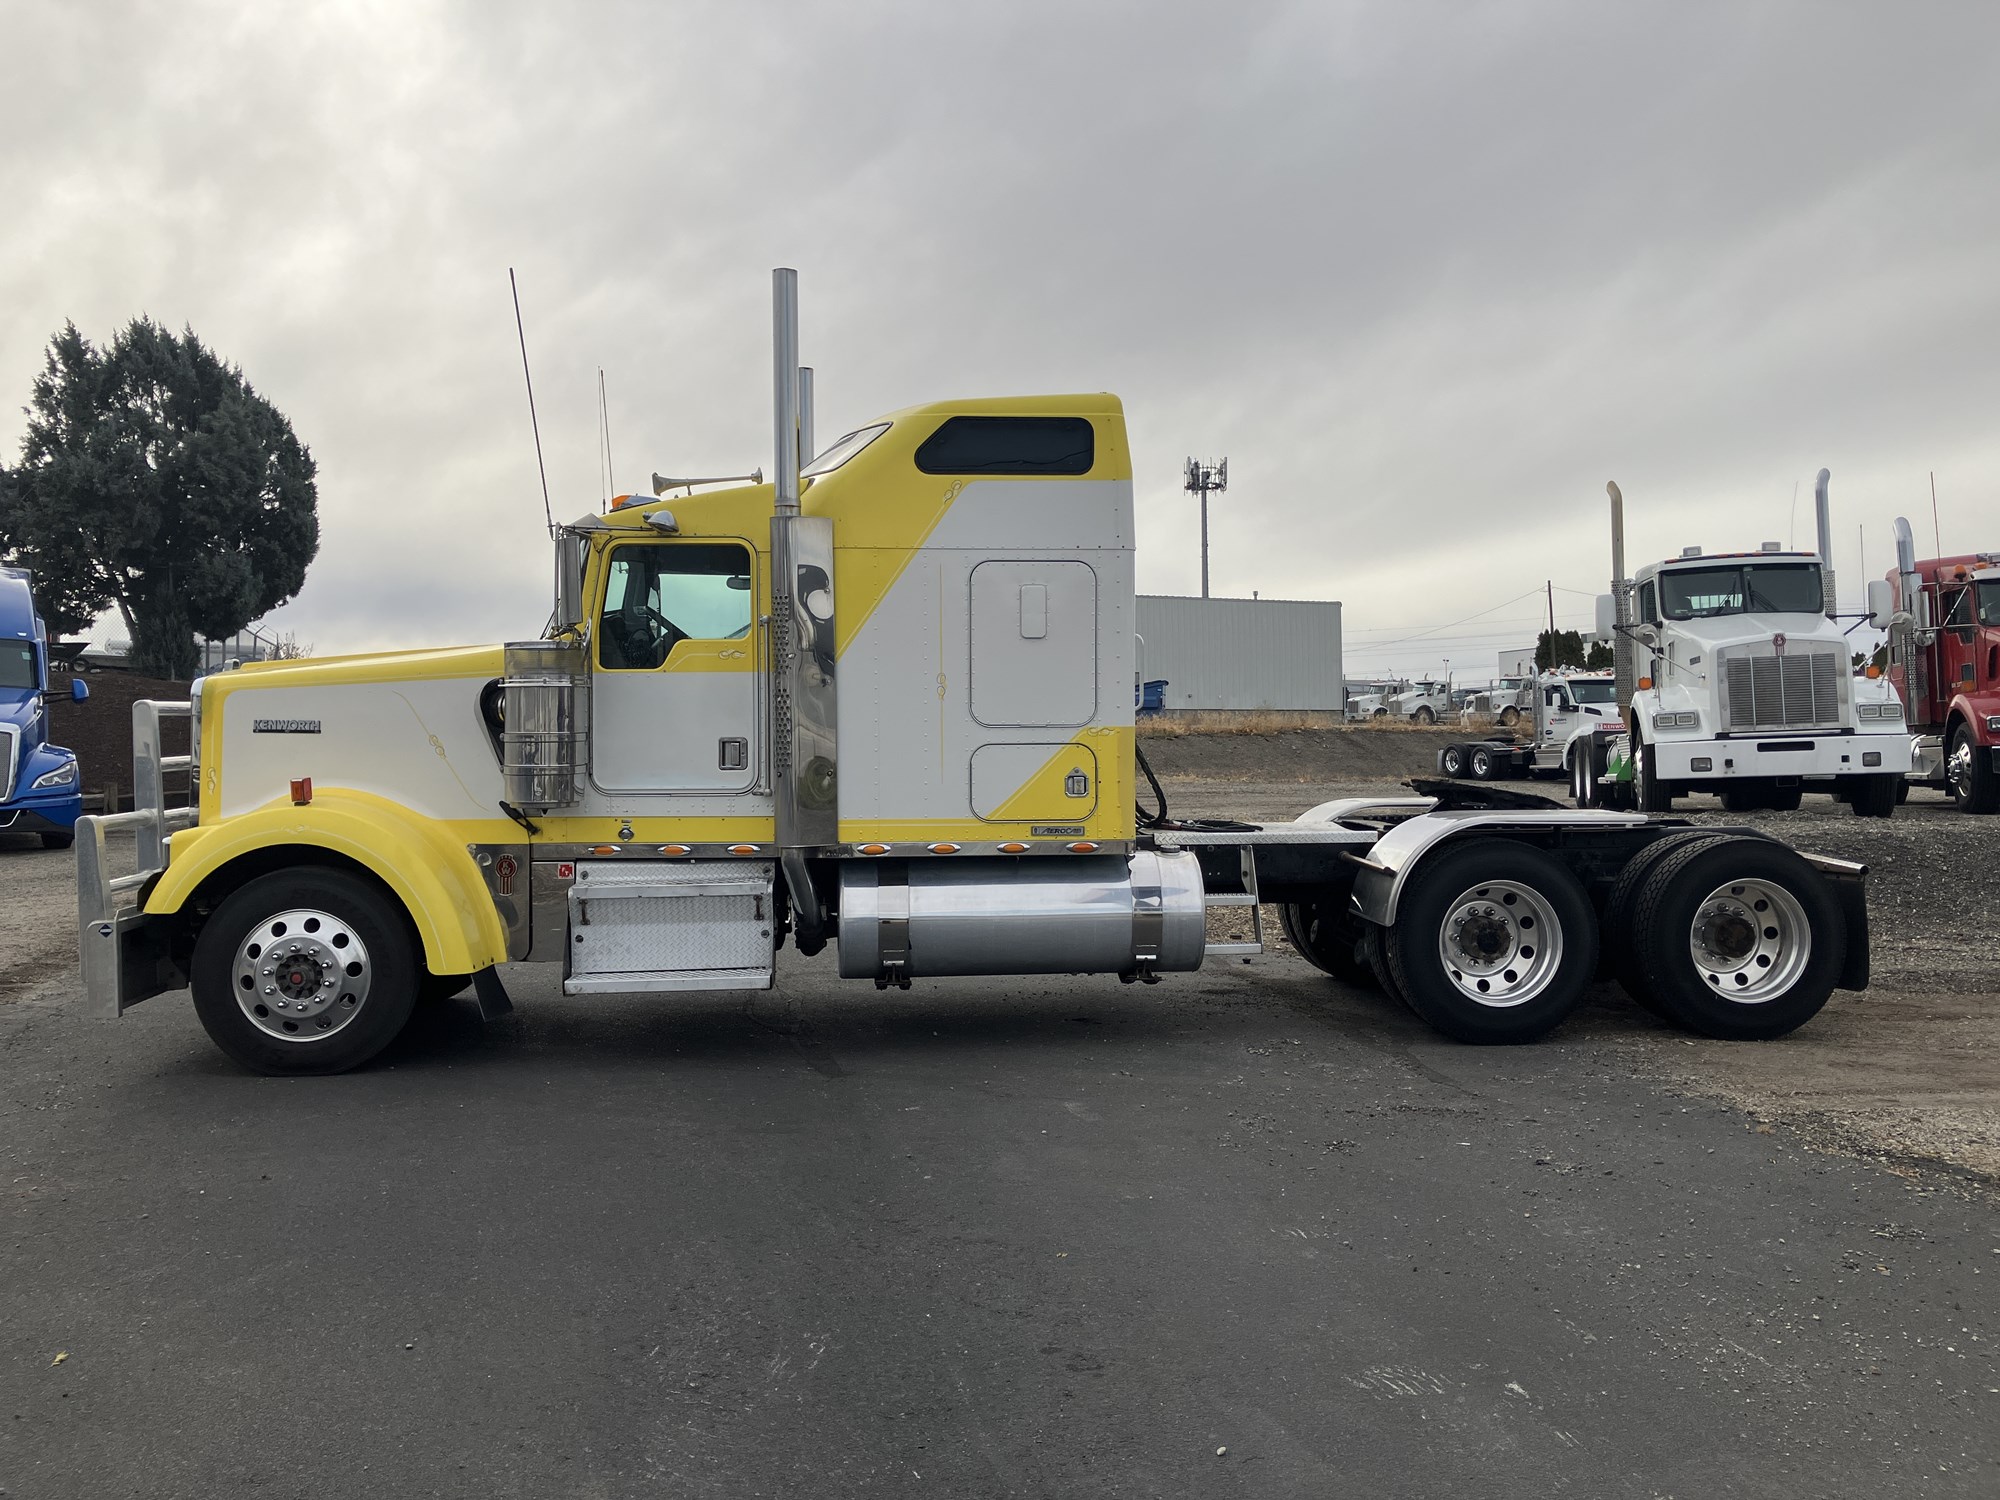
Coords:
1574,725
1741,684
882,705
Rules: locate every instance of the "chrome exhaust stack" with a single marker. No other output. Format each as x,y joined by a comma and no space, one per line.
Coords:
1623,673
1830,597
804,783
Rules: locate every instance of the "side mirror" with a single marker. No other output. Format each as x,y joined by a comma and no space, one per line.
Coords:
78,690
571,550
1881,603
1607,615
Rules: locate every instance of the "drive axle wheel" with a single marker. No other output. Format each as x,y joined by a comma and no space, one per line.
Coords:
304,972
1452,760
1328,936
1873,796
1483,764
1737,938
1493,942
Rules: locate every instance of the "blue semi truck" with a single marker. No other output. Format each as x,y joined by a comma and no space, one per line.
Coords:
41,789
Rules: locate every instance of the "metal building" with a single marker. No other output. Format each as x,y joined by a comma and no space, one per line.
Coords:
1242,653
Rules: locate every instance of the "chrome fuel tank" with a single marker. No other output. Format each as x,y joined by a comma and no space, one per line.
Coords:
903,919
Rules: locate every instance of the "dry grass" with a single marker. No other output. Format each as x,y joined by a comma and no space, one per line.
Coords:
1176,725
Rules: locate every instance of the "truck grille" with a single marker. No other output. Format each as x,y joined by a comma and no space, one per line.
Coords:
1782,692
10,754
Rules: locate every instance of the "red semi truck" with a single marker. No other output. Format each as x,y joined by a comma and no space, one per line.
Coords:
1943,619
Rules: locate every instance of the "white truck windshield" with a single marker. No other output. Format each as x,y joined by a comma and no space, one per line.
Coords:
1594,692
1741,589
1989,603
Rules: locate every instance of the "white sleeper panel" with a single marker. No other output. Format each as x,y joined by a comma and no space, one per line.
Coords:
1034,644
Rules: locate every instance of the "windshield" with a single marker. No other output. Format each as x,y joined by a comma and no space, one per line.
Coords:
17,664
1594,692
843,450
1989,602
1741,589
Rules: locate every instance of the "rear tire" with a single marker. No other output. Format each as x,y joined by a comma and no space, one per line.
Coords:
346,987
1451,761
1494,942
1785,798
58,840
1738,938
1328,937
1742,796
1619,941
1872,796
1582,776
1968,771
1484,764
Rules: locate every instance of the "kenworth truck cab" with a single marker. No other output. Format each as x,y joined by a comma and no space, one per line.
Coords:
1943,619
1744,686
883,703
41,791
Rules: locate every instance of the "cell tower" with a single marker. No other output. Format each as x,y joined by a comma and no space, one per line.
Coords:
1205,479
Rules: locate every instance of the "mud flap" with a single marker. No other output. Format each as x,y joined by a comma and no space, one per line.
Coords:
1850,889
491,995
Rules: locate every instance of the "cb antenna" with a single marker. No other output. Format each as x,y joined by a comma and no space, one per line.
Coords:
548,513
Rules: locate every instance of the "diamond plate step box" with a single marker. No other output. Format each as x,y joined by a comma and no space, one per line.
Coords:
641,927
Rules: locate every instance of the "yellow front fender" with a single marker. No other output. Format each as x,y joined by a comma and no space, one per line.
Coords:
434,877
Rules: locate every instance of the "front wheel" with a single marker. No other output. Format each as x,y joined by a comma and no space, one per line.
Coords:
305,971
1655,795
1873,796
1424,716
1968,771
58,840
1737,938
1494,942
1509,717
1583,776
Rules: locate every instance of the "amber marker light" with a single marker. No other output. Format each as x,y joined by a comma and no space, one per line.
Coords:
944,848
1645,684
872,848
675,849
1013,848
1083,846
606,849
743,849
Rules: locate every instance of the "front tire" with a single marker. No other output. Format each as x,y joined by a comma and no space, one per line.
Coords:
1509,717
1873,796
1738,938
1424,716
1968,772
58,840
1494,942
1655,795
304,971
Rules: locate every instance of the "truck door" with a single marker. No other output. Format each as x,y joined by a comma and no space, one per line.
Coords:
673,704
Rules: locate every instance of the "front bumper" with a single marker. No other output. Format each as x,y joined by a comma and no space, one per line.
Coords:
41,815
1782,754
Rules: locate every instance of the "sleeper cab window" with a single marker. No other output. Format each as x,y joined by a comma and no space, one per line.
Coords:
658,594
1009,445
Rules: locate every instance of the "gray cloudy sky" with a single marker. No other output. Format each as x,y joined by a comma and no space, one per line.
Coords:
1428,274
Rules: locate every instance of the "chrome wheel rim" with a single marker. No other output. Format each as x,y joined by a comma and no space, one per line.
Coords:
1750,941
301,976
1454,762
1958,768
1500,943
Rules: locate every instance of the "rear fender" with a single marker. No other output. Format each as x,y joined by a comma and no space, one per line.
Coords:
431,875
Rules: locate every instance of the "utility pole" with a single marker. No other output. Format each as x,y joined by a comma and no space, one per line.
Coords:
1205,479
1550,585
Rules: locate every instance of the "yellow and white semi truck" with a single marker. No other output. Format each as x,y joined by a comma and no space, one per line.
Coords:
883,702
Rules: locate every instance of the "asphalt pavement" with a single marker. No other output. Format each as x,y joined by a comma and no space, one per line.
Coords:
1245,1232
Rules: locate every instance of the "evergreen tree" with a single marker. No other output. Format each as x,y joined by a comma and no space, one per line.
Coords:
1558,648
154,480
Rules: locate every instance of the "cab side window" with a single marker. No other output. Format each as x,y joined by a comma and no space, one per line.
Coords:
658,594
